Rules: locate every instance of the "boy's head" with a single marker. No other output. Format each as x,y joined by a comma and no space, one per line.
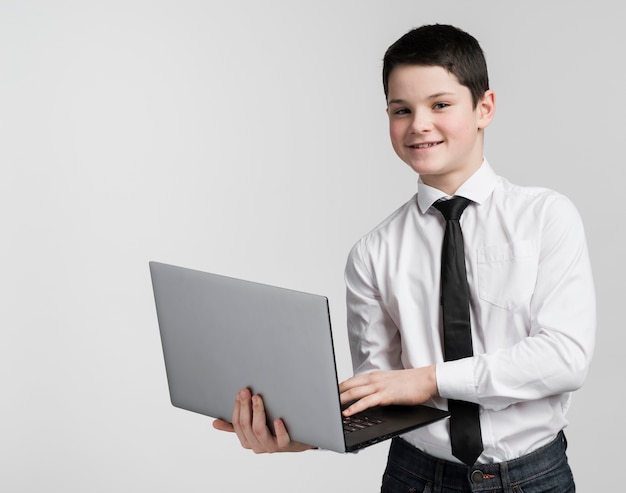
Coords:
438,104
444,46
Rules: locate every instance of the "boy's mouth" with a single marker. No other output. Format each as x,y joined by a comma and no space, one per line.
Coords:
425,145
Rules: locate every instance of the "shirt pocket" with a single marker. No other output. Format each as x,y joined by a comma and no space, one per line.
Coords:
507,274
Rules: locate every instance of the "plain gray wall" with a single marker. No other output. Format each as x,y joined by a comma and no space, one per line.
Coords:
250,138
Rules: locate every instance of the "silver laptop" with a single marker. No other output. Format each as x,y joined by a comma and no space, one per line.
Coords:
221,334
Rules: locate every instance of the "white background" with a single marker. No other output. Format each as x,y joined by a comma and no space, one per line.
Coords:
249,138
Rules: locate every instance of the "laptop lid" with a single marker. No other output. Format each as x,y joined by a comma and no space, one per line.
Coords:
220,334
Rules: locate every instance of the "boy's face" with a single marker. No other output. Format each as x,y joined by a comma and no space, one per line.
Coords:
434,126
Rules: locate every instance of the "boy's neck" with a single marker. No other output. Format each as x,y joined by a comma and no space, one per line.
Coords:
450,183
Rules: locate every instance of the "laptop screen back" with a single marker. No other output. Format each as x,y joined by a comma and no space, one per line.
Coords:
221,334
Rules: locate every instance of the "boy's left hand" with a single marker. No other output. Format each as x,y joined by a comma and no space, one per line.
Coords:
384,387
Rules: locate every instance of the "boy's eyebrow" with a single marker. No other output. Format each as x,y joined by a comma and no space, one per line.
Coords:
440,94
432,96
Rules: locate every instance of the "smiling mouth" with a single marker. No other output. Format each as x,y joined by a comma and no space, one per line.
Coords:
425,145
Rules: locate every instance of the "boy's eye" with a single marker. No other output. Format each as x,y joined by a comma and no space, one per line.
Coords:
440,106
401,111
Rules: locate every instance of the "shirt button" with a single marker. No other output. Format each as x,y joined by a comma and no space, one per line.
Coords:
477,476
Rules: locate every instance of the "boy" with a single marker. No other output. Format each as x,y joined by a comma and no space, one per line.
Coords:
531,295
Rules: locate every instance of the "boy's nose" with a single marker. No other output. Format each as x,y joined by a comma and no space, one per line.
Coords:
421,123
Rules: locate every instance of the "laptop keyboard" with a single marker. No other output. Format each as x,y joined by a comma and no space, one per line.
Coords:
355,423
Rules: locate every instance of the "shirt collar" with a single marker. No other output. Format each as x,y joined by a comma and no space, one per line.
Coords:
477,188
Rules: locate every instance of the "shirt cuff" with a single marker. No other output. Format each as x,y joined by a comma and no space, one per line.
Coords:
455,380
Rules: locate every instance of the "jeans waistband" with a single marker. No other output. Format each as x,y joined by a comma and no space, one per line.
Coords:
481,476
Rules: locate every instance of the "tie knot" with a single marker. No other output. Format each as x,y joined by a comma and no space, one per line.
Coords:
453,208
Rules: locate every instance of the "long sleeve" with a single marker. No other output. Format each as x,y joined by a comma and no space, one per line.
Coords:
374,337
554,356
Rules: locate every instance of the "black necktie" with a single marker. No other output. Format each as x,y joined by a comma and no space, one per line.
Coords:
457,336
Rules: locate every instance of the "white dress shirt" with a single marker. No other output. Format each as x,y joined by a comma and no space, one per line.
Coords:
532,304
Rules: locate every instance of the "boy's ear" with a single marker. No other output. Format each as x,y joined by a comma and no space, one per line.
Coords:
486,108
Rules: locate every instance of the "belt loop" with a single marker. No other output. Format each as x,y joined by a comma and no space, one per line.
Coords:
438,486
504,477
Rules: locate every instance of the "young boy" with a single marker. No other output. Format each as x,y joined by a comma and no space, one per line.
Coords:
531,294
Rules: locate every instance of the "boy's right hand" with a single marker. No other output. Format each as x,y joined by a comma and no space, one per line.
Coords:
250,425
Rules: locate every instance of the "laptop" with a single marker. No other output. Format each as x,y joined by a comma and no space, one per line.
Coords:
221,334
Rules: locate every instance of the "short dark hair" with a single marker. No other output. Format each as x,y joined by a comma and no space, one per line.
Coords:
444,46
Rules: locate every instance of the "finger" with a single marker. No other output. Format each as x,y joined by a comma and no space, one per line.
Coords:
282,436
356,393
242,418
220,424
366,402
351,395
265,439
244,430
352,382
235,417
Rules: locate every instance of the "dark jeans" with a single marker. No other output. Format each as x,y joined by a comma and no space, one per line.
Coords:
543,471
